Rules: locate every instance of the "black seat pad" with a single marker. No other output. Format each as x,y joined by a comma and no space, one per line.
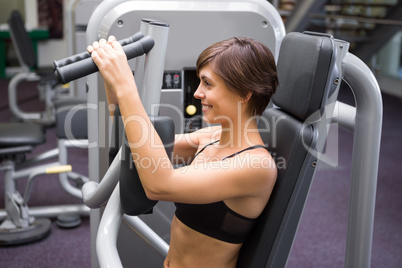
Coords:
21,134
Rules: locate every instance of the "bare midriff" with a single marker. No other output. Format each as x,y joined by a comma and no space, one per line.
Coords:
189,248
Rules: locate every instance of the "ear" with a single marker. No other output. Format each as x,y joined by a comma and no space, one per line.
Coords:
247,98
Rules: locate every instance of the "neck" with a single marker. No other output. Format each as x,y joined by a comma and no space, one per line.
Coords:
240,133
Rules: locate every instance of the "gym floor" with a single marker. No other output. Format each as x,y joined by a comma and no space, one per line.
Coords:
321,238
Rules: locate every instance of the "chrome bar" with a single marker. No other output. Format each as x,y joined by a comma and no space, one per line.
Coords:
366,150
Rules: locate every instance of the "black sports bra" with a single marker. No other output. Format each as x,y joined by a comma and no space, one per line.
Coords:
216,220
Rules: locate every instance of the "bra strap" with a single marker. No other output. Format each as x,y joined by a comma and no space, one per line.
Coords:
239,152
203,150
249,148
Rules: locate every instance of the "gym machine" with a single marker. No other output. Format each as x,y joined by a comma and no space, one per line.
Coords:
264,248
194,18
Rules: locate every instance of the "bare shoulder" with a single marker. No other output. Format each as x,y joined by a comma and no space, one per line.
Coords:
257,164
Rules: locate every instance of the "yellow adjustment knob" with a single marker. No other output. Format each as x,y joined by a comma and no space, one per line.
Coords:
191,110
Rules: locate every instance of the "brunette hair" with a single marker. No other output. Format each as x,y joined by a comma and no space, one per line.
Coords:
246,66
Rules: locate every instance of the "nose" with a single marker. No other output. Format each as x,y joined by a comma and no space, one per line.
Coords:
199,94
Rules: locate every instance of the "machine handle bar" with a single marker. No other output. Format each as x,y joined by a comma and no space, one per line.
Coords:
84,67
83,55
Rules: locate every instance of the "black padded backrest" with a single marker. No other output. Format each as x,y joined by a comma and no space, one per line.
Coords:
300,90
21,40
306,66
290,154
133,199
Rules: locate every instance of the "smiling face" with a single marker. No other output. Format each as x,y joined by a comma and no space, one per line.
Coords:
220,105
247,68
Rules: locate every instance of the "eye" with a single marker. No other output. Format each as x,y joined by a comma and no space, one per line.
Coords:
207,83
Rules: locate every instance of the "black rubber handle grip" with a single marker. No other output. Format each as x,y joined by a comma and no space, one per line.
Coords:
75,70
81,56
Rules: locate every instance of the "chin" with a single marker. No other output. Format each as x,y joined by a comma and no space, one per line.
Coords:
208,120
211,121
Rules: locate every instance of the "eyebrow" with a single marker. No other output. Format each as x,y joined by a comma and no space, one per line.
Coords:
205,77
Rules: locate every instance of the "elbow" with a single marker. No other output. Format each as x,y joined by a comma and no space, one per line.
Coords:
153,193
159,188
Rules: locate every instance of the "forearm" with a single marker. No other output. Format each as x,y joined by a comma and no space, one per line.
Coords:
149,155
111,100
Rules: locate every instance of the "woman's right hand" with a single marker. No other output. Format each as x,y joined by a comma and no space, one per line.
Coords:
112,63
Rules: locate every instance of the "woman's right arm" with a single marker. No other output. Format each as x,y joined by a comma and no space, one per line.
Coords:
110,94
186,145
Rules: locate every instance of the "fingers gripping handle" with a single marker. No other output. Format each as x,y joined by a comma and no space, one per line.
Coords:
87,66
81,56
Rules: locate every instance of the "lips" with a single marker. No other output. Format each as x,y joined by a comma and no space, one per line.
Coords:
206,107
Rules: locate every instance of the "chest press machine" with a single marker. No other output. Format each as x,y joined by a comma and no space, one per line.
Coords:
311,67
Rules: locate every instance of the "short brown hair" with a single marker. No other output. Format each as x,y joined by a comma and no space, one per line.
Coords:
246,66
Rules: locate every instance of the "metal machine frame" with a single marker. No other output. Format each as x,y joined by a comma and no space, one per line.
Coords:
365,120
119,17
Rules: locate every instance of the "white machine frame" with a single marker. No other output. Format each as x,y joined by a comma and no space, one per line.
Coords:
216,20
184,17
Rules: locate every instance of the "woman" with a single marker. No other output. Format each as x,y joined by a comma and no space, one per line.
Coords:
229,174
